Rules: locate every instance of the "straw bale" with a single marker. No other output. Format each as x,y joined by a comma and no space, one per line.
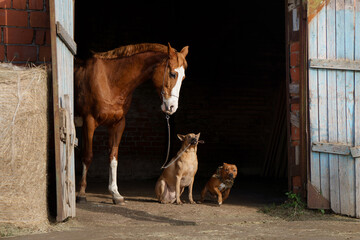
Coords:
23,145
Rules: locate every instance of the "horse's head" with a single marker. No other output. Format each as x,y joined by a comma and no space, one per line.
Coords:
169,77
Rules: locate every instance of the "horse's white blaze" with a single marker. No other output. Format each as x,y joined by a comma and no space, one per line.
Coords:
113,188
170,105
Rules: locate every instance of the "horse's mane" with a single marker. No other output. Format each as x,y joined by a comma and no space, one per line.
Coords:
130,50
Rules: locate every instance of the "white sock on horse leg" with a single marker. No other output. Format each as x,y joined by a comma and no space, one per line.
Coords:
113,188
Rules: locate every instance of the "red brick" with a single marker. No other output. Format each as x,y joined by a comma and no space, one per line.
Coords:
295,107
19,4
21,53
295,133
45,54
47,37
18,35
296,180
2,52
42,37
39,19
295,74
13,18
5,3
295,47
36,4
294,59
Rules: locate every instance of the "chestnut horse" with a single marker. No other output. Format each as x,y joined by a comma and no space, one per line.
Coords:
104,85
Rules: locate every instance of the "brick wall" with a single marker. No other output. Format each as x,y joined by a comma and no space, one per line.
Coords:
25,31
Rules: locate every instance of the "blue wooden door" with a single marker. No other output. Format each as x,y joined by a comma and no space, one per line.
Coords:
334,104
63,48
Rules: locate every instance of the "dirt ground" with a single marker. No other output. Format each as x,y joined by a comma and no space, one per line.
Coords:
247,214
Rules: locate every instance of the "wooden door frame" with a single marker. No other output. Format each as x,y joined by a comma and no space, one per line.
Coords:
57,31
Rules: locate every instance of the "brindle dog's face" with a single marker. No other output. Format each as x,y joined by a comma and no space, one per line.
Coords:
229,171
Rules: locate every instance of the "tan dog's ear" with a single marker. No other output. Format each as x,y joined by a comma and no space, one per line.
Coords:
181,137
185,51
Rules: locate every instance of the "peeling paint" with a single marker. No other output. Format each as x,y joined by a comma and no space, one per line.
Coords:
314,7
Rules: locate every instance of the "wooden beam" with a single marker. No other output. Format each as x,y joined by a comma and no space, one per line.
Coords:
66,38
334,148
336,64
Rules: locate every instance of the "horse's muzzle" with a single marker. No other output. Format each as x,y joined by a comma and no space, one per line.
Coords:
169,106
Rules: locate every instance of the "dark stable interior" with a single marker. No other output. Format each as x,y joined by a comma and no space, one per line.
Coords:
233,94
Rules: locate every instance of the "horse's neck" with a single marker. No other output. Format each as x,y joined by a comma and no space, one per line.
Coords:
141,69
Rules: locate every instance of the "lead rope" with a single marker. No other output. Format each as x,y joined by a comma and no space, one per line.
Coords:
167,116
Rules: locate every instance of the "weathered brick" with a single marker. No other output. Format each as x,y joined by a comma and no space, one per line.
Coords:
5,4
39,19
18,35
19,4
295,133
42,37
295,74
36,4
45,54
295,47
10,17
295,107
294,59
21,53
2,52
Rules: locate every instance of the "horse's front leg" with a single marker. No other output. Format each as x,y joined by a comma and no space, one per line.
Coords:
87,154
115,134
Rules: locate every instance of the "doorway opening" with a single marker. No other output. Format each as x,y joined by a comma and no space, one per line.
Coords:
233,94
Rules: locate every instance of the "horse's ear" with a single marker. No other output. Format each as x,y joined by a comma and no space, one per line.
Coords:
181,137
170,50
185,51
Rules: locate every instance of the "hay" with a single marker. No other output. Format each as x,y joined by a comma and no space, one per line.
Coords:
23,145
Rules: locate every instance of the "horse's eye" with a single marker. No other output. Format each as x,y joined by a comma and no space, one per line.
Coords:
172,75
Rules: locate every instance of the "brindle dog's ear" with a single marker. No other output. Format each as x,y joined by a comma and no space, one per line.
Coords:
181,137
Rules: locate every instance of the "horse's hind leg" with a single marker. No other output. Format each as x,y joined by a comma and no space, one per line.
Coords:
115,133
87,154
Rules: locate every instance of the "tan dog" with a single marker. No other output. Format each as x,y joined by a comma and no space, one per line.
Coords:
180,173
220,183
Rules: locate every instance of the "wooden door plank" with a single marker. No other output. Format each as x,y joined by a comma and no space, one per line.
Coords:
337,64
334,148
323,107
332,110
347,177
313,105
340,92
357,107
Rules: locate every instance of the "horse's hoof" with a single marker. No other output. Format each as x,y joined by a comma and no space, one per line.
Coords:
80,199
119,201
